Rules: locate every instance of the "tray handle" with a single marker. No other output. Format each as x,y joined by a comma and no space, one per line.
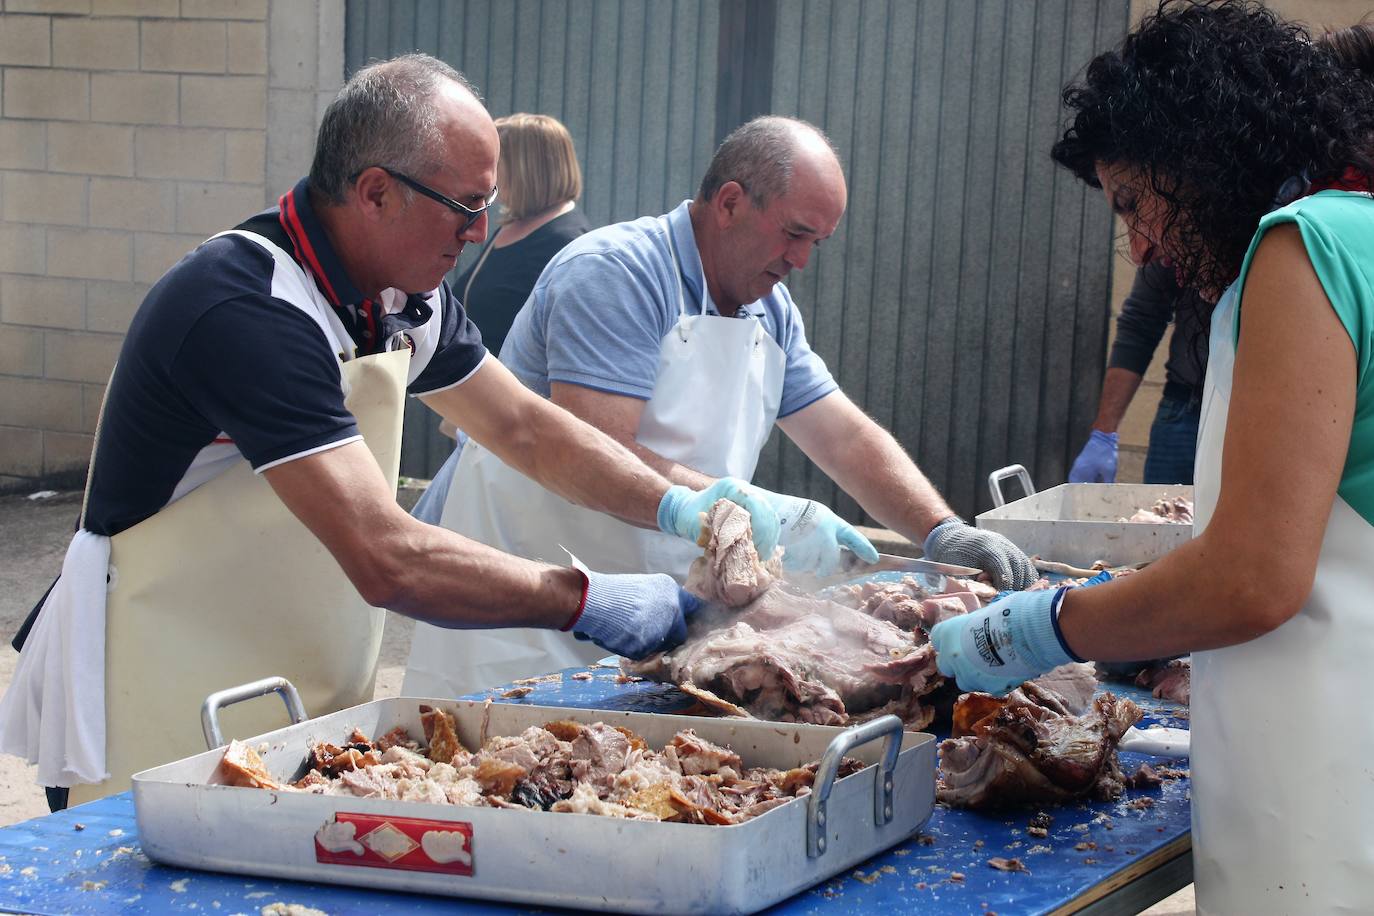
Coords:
889,728
209,711
1012,470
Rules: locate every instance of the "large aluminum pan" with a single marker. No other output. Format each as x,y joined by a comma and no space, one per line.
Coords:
1078,523
538,857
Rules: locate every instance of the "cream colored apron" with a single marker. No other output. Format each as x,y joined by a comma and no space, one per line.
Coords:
715,399
225,586
1282,745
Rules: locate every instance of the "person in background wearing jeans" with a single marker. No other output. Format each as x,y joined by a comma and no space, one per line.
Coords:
1154,301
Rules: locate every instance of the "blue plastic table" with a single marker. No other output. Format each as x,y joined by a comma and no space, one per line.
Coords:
1106,857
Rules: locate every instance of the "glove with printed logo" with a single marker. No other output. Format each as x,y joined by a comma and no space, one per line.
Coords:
1012,640
812,535
633,615
1097,462
952,541
680,510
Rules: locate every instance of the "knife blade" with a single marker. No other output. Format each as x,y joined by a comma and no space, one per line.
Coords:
930,573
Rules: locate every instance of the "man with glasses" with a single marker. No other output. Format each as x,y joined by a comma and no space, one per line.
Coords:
241,519
676,336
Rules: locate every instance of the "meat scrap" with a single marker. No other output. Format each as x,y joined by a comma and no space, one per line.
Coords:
241,766
1177,510
1029,748
563,766
1171,680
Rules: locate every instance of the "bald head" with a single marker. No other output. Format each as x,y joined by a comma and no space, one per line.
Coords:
765,157
395,113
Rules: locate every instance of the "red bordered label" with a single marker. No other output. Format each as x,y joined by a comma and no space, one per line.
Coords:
407,843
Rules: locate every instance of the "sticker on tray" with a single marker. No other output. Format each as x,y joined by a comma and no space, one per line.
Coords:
383,841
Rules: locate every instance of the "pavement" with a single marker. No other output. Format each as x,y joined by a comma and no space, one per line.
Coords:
34,534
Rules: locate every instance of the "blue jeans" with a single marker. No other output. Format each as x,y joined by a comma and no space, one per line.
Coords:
1173,441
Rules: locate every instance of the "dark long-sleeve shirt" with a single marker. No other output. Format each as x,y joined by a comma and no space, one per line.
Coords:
1154,301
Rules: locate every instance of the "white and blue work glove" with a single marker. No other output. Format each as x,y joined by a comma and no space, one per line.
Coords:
952,541
679,512
812,535
1097,462
633,615
1010,641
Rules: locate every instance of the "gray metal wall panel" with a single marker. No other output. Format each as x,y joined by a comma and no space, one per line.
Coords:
963,302
963,299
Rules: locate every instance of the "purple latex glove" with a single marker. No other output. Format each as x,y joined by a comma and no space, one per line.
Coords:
1097,462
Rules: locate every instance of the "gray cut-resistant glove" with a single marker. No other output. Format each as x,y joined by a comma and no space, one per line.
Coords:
634,615
952,541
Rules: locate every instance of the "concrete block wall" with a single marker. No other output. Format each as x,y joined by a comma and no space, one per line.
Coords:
1317,15
130,130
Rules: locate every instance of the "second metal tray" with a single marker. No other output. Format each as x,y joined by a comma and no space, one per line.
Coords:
1079,523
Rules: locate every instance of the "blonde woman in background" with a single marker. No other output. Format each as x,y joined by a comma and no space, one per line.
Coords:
540,184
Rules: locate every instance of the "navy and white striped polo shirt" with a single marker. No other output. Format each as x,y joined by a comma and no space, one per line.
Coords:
215,366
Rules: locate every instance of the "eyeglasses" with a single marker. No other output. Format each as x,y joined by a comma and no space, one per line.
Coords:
468,214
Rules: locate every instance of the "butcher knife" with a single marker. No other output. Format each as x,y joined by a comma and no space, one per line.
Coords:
930,573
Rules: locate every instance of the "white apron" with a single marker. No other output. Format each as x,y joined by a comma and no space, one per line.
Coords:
715,398
224,586
1282,746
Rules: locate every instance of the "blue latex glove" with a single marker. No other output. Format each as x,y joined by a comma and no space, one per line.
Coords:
634,615
952,541
812,535
679,512
1097,462
1010,641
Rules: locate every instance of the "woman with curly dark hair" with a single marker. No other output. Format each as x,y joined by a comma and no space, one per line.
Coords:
1237,151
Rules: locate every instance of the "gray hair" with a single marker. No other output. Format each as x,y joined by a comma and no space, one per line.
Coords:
759,156
386,114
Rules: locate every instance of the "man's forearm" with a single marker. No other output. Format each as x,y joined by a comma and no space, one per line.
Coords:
882,478
868,464
670,469
1118,388
551,446
463,584
419,570
584,465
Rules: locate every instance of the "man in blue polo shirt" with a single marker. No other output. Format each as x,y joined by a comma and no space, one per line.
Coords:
241,519
676,336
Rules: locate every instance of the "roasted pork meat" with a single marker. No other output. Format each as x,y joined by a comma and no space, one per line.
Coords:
794,658
1030,748
1171,680
563,766
1177,510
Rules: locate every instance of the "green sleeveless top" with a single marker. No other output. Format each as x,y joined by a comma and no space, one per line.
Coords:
1338,231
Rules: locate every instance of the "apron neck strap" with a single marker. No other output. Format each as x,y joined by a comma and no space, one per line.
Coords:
677,274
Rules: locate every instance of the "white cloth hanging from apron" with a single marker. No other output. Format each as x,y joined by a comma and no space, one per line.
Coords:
62,670
715,399
221,586
1281,749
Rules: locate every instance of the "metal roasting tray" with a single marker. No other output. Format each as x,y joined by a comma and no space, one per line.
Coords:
538,857
1077,523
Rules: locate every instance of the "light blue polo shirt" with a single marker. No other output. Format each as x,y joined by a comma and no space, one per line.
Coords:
602,306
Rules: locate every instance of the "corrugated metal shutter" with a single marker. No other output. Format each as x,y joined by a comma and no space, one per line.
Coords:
963,301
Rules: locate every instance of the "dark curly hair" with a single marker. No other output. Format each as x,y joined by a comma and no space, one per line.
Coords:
1218,104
